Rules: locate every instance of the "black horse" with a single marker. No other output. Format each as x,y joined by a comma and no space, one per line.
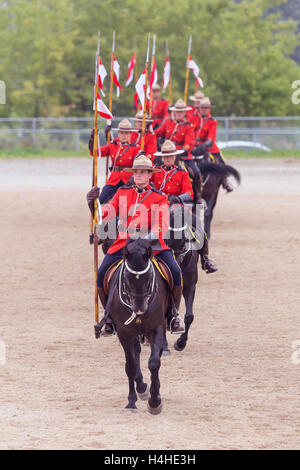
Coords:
182,242
138,301
213,176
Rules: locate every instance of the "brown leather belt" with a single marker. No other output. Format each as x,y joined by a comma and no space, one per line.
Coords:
118,168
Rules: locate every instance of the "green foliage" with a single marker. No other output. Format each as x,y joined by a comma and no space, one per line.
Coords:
48,52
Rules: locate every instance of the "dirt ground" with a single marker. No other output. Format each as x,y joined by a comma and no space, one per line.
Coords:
234,387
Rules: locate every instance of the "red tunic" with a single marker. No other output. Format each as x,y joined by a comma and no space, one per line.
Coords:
152,215
208,130
159,111
121,156
172,182
181,133
195,118
150,143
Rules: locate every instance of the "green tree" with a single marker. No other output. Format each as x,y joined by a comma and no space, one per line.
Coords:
36,45
244,53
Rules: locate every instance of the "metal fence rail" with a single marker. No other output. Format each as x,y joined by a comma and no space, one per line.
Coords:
73,133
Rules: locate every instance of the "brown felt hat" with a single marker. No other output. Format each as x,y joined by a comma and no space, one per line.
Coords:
142,162
198,96
205,103
139,117
180,106
168,149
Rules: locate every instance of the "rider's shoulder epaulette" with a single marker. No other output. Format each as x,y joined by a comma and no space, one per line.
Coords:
180,168
127,186
115,141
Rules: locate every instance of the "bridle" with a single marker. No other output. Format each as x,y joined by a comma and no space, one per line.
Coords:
123,292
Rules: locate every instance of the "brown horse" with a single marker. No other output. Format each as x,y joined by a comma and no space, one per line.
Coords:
137,302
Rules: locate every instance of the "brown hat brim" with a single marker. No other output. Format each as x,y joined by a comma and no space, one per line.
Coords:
141,119
142,167
122,129
169,154
192,98
173,108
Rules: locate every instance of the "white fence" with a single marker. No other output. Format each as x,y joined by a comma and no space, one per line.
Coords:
73,133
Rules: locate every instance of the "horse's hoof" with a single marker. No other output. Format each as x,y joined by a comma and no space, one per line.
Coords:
166,352
145,395
177,347
130,409
155,411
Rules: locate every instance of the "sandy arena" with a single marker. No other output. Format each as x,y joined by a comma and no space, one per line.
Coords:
235,386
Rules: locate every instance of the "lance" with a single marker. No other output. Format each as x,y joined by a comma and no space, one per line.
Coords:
152,65
96,81
187,70
135,65
110,98
145,95
95,183
170,83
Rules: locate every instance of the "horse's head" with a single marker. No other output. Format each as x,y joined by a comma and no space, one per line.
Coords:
138,273
176,236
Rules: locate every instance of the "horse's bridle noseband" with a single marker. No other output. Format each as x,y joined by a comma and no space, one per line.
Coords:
147,295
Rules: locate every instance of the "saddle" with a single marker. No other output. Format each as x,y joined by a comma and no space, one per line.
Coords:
164,271
109,274
160,265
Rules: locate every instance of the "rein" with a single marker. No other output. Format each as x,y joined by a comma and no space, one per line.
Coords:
146,294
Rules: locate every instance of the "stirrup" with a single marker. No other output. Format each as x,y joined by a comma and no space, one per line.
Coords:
182,325
108,328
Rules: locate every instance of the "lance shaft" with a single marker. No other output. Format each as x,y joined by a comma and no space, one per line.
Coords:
145,96
187,70
110,99
96,81
152,64
95,183
170,82
135,65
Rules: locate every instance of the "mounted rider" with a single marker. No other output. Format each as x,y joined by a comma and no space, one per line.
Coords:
205,138
174,182
160,107
122,153
143,212
180,131
194,115
150,142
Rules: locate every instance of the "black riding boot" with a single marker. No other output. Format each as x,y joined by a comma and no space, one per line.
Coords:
175,323
108,327
207,264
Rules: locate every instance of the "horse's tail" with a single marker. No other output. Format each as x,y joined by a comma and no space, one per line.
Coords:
222,170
